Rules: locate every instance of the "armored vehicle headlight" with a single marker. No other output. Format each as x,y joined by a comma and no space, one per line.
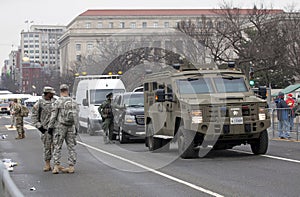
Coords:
261,113
197,116
129,118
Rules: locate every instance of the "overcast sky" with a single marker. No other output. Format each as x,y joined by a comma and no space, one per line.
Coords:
14,13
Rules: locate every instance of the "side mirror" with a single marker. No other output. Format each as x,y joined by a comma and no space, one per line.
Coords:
160,95
84,102
262,92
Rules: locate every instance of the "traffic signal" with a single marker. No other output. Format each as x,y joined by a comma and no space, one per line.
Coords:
251,77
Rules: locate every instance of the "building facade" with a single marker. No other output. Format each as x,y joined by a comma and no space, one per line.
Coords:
92,27
40,44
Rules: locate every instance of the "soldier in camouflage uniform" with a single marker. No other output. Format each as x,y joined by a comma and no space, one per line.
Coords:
40,117
19,120
63,132
105,110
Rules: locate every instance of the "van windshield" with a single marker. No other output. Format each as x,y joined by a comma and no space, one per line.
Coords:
98,96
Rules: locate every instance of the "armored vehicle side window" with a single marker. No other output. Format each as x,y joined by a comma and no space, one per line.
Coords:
230,84
146,86
154,85
194,86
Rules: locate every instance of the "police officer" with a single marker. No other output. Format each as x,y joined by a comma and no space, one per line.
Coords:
19,120
105,110
40,117
62,131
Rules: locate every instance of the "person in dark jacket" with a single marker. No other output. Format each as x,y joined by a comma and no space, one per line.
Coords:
283,117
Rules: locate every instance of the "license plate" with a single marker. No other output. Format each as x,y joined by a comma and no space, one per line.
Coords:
236,120
141,133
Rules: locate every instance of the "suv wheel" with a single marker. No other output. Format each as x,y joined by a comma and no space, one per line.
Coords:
260,146
186,144
153,143
122,136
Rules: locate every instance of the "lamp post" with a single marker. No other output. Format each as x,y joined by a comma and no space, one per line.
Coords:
25,60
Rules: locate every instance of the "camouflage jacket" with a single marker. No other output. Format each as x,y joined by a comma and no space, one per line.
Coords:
41,112
57,116
17,110
105,109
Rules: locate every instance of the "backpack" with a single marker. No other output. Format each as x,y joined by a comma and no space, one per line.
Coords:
24,111
68,112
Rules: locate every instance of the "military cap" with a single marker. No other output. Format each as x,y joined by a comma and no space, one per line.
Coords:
109,95
48,89
280,94
64,87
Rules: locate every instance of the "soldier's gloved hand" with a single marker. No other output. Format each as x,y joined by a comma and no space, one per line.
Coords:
50,131
42,130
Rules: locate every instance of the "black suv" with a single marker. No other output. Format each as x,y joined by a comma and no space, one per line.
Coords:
128,109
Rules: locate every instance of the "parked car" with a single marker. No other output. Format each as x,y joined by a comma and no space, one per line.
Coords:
4,108
128,109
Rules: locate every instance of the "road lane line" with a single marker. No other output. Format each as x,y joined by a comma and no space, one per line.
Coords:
269,156
155,171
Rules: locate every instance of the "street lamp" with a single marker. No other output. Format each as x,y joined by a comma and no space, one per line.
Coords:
25,60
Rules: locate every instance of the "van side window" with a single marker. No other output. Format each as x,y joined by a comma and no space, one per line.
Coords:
119,100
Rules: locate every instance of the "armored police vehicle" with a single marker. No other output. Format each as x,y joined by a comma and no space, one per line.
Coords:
203,109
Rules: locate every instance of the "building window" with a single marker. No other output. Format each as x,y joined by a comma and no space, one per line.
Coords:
88,25
78,47
89,46
167,24
144,24
209,24
200,24
111,25
122,25
100,25
133,25
78,57
155,24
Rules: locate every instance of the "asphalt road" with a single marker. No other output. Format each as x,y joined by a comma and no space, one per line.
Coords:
130,170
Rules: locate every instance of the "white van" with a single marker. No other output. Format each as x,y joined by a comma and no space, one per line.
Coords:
89,94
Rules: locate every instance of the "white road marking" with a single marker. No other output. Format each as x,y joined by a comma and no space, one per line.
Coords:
26,126
154,171
269,156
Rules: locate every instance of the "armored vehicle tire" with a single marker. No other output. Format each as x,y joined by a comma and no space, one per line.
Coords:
90,130
152,142
186,144
260,146
122,136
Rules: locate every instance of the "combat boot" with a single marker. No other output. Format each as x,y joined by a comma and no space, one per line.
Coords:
70,169
23,135
47,166
19,137
55,169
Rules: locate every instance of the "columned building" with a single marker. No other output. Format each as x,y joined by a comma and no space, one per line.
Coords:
93,27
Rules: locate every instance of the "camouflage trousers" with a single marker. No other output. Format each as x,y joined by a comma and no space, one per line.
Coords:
20,125
108,127
64,133
47,141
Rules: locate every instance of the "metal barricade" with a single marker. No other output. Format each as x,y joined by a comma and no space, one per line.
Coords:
294,128
7,186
